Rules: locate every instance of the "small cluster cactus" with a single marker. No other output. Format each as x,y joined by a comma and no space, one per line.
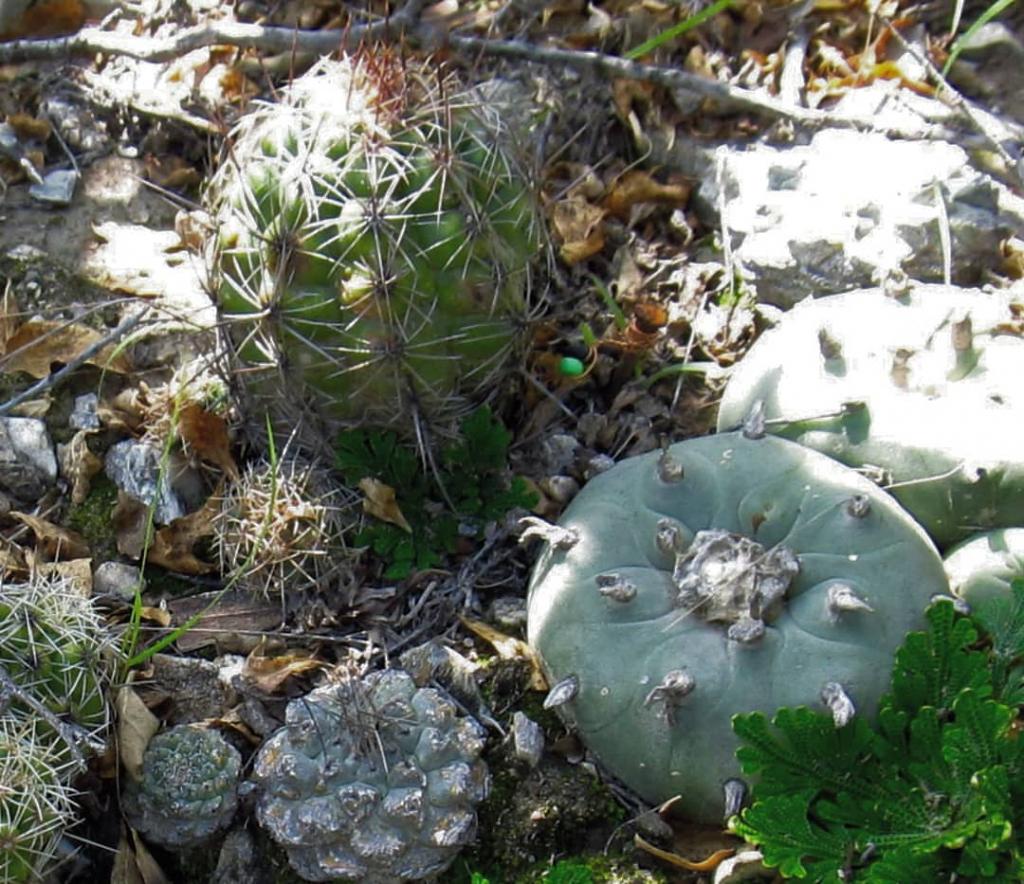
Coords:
282,528
374,245
372,779
920,390
188,791
55,660
730,573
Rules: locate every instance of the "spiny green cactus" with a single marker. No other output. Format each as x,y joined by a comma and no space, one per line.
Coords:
728,574
54,646
189,787
35,799
374,242
920,390
282,527
372,780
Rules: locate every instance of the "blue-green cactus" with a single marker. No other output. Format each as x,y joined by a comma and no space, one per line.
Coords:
984,566
727,574
920,390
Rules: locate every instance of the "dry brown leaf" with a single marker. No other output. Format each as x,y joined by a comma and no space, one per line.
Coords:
381,504
206,434
52,541
637,186
159,616
28,127
12,560
77,571
269,673
173,544
578,225
1013,257
39,343
134,864
136,726
79,464
38,408
705,865
130,519
508,647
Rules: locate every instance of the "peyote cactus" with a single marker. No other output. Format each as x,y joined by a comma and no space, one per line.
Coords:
984,566
282,527
920,390
372,780
189,787
728,574
375,236
35,799
54,647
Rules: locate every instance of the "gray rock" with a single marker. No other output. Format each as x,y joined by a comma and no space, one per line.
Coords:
852,209
136,468
527,739
83,415
117,579
28,463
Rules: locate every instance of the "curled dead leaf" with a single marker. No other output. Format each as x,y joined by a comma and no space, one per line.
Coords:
578,224
380,503
173,544
206,435
270,673
78,464
636,186
52,541
508,647
40,343
136,726
705,865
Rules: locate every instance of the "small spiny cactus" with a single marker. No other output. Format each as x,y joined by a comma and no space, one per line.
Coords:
374,244
36,803
282,528
53,645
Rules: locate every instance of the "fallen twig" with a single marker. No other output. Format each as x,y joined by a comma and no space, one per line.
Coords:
406,24
52,380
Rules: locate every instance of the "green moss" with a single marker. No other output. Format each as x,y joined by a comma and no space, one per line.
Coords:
91,519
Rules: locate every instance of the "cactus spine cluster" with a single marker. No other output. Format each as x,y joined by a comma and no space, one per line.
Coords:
375,236
54,661
282,528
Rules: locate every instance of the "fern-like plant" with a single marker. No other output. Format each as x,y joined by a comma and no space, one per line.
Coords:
933,791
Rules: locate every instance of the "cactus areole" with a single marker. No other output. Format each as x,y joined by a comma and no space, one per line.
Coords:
921,391
374,244
726,574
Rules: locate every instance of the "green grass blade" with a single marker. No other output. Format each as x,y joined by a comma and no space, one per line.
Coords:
995,9
695,20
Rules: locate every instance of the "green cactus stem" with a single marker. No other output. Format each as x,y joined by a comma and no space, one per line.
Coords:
374,247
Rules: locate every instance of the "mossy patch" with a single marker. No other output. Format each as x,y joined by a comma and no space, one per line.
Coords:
92,519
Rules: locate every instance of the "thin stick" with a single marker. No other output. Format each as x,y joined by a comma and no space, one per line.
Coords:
88,353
